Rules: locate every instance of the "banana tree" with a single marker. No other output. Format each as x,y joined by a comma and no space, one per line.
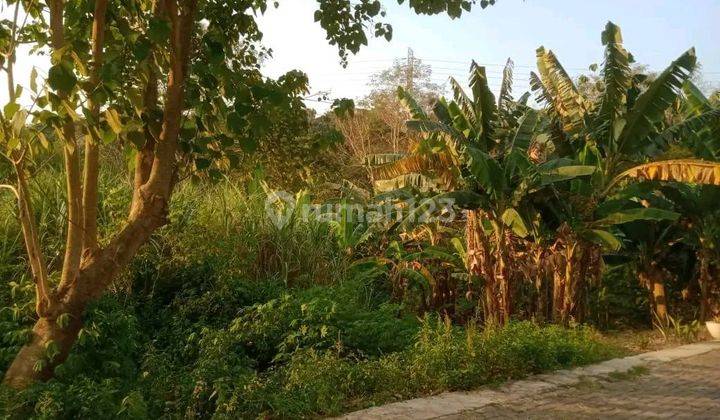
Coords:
699,229
649,247
693,130
617,134
479,148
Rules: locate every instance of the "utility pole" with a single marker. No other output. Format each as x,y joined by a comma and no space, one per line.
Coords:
410,71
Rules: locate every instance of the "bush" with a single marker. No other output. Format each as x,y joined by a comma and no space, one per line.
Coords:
443,358
321,318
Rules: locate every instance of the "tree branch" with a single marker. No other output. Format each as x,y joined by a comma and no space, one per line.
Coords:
73,175
146,155
162,174
92,155
43,295
44,298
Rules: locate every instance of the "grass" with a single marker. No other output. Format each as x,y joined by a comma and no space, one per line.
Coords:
635,341
632,373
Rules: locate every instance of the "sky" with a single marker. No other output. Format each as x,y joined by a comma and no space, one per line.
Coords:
655,31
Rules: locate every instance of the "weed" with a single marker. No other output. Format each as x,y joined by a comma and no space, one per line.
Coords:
633,373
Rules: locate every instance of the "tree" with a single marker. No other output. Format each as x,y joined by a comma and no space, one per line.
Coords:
591,149
624,134
179,84
699,229
479,147
416,78
412,74
377,128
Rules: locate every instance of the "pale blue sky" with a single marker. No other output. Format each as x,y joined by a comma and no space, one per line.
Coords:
655,31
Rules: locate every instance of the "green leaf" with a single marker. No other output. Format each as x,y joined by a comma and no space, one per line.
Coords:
564,173
429,126
108,136
61,77
505,97
215,51
141,49
416,111
43,140
70,111
249,144
464,103
525,131
343,107
158,30
137,138
604,238
202,164
631,215
483,103
695,101
113,119
33,80
617,78
12,142
18,122
512,219
560,91
10,110
650,106
486,170
235,123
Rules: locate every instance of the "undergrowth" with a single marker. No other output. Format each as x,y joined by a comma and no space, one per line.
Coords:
223,314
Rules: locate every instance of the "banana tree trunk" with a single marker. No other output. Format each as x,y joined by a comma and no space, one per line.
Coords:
706,281
491,264
575,264
543,284
652,277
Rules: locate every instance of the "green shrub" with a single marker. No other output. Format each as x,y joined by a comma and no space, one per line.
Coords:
323,318
443,358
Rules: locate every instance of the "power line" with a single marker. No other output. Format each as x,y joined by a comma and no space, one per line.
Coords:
467,62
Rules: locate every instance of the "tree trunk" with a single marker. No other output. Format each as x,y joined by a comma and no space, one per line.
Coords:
96,273
652,278
32,363
491,264
660,299
705,281
575,264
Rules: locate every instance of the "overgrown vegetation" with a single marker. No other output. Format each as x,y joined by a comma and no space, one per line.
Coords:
261,320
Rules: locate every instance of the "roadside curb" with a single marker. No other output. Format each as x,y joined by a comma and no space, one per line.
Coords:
450,403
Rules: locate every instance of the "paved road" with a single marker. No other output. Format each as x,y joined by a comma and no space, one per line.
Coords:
686,388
